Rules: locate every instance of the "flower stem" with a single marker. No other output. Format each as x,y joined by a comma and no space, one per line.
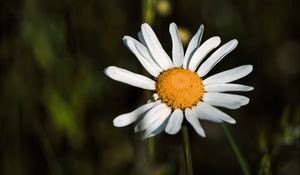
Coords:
148,16
151,148
148,11
187,150
236,151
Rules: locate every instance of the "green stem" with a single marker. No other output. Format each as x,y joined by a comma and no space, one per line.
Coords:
187,150
236,151
148,11
148,15
151,148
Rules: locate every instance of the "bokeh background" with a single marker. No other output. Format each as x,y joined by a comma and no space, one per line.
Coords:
57,105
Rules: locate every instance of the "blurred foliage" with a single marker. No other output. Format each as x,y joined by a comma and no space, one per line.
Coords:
57,106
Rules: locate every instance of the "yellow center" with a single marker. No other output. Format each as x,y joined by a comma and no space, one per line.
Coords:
179,88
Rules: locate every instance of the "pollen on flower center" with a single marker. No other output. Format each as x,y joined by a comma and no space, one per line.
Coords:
179,88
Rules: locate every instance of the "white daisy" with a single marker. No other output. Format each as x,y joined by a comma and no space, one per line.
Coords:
180,89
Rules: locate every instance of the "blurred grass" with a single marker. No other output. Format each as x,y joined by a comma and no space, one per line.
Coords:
57,106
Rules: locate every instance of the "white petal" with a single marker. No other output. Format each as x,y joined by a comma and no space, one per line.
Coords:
230,101
227,87
155,96
216,57
229,75
177,48
175,121
156,131
158,123
130,78
193,45
155,47
208,112
142,39
151,116
143,55
128,118
191,117
202,51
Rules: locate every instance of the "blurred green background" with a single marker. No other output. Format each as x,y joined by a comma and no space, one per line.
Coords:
57,105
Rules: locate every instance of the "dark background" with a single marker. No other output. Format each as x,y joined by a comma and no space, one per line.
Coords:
57,105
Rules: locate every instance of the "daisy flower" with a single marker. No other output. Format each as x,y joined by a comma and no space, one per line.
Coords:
180,87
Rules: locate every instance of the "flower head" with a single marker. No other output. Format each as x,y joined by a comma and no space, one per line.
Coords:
181,88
